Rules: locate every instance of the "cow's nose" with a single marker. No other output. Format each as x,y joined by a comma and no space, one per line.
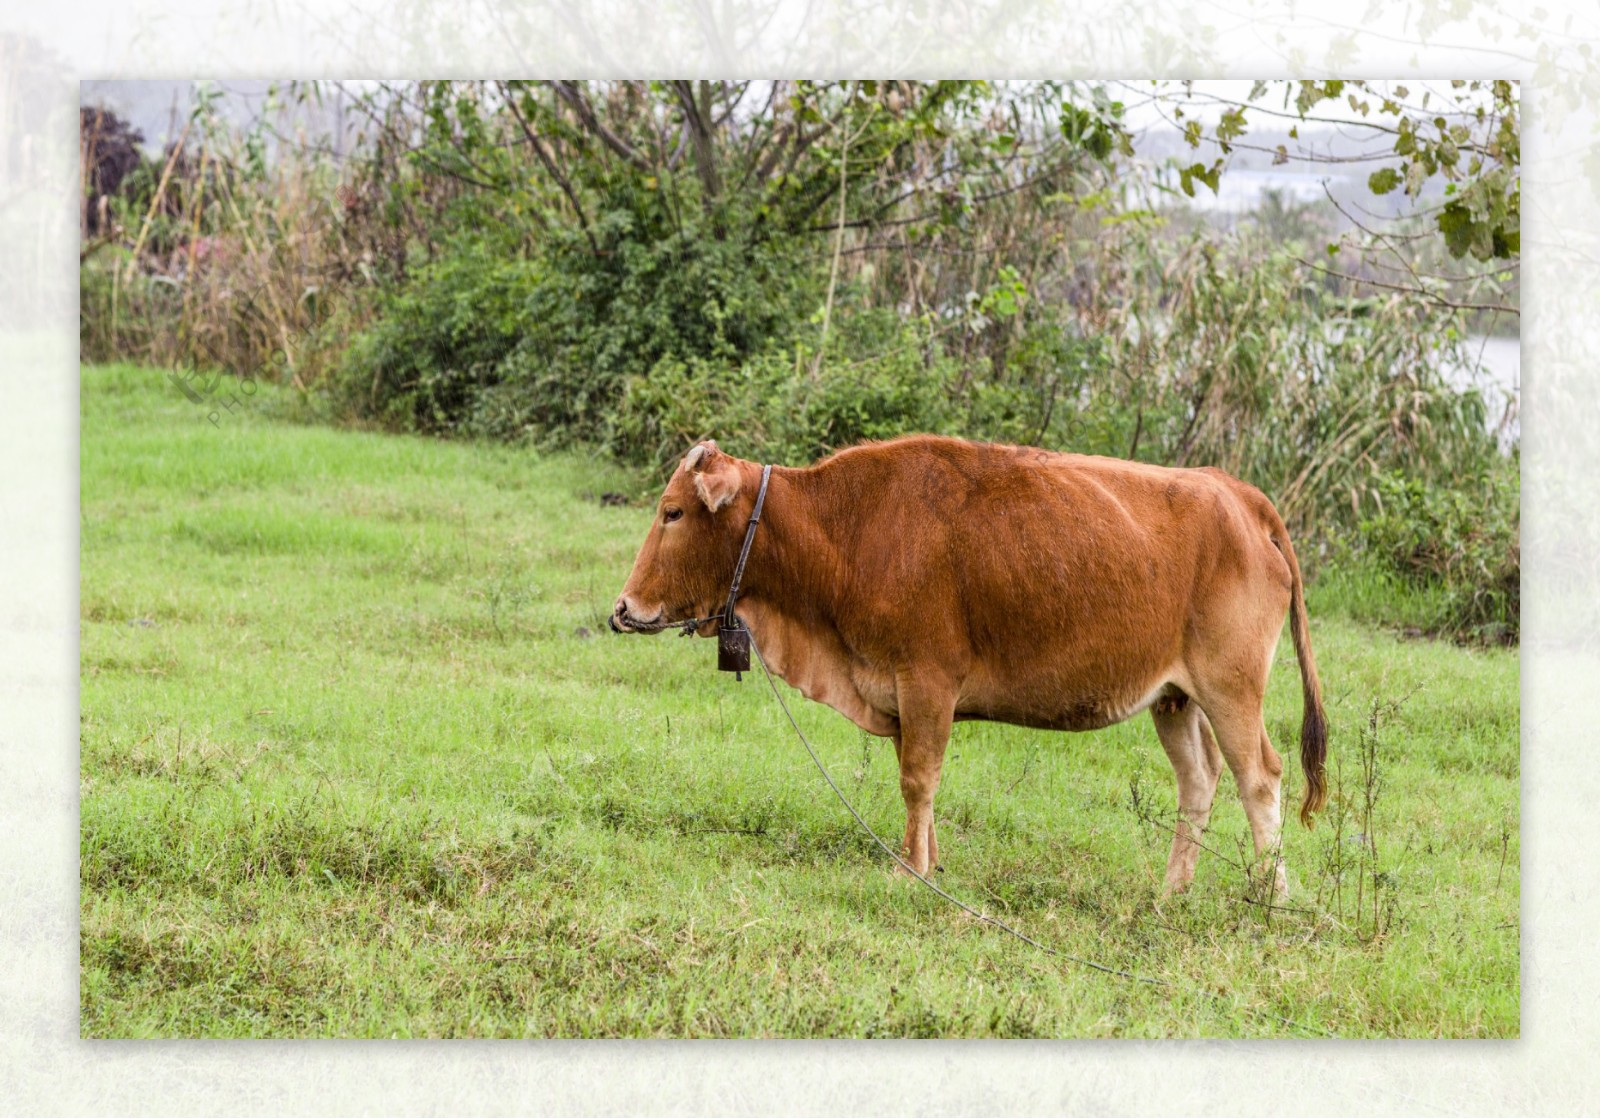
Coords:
612,621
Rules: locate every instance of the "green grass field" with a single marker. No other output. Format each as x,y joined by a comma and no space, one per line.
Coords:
359,758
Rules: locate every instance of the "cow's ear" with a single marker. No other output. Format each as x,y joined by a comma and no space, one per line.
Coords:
716,475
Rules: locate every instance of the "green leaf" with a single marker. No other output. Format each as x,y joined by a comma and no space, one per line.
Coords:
1455,222
1231,125
1211,176
1383,180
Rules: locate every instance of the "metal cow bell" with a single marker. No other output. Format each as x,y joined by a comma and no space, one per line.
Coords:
733,649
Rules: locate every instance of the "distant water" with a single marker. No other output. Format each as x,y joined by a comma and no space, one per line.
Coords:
1494,367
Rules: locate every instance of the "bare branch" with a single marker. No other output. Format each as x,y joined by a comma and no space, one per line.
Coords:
977,199
760,137
731,103
700,135
1411,289
555,171
1388,243
572,95
1307,118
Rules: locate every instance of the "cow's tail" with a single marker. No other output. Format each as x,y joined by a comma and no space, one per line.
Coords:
1313,720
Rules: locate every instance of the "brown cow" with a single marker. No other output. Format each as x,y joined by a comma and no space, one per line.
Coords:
911,583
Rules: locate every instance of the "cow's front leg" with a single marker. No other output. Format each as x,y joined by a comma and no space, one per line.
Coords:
926,712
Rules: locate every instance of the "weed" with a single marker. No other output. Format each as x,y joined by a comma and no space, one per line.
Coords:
1364,887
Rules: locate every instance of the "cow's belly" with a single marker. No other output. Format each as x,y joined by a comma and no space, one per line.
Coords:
1046,703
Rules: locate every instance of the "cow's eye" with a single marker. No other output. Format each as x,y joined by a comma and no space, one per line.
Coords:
671,515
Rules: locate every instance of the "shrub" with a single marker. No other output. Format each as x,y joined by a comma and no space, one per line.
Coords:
1455,552
493,339
889,377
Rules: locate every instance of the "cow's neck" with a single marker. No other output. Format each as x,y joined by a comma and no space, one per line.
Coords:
799,561
800,571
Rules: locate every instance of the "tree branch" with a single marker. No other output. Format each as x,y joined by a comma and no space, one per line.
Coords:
700,135
1411,289
573,96
978,199
760,137
555,172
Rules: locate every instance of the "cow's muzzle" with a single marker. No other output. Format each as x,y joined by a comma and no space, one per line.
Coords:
623,621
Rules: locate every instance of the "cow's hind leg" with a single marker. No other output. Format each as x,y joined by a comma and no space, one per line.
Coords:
1186,737
926,713
1242,736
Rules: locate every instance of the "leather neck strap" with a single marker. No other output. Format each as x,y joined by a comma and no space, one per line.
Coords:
728,618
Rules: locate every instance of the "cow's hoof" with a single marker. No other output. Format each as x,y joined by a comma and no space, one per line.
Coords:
1269,885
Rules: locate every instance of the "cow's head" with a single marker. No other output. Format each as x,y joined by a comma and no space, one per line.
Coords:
686,563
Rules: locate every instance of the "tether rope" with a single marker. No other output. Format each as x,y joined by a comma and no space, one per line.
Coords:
979,914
